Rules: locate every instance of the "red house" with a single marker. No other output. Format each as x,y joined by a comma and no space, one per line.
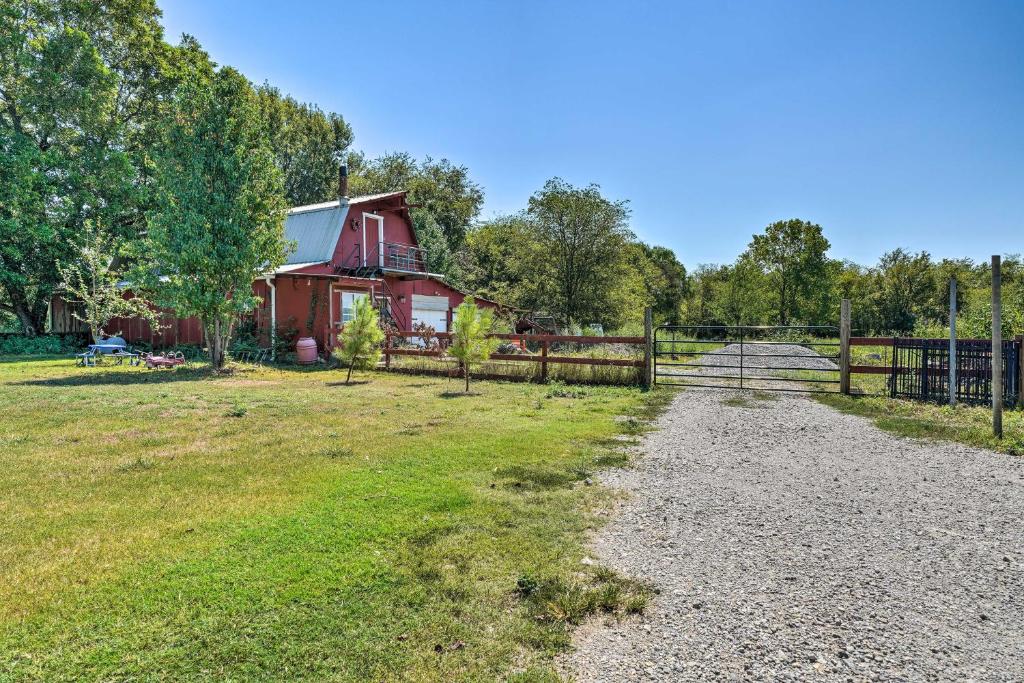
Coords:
345,249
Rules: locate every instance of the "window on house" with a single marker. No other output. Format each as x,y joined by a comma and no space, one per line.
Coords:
348,305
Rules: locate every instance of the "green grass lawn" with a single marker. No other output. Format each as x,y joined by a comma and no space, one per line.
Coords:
277,524
971,425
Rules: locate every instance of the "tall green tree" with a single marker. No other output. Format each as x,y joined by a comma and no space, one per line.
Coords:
438,189
584,236
903,290
504,260
667,282
220,215
792,255
307,144
80,86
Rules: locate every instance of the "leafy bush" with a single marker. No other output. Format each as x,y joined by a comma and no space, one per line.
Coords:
284,341
42,345
246,338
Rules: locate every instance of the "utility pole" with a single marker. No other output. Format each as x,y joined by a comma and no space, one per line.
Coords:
952,341
997,348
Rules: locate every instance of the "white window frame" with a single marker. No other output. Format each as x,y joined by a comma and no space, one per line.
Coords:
352,293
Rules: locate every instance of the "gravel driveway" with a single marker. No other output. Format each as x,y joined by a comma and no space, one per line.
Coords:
791,542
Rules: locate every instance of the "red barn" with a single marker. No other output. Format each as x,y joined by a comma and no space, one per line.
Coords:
345,249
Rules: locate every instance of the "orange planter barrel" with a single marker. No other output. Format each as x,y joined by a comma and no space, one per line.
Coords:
305,350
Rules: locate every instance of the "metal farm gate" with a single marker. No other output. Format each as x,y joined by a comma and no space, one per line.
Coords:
785,358
920,370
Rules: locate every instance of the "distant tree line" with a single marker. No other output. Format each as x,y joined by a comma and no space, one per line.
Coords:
786,277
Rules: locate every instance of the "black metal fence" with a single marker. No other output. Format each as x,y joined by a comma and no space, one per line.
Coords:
920,370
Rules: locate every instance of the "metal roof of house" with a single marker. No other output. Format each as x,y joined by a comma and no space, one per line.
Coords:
315,229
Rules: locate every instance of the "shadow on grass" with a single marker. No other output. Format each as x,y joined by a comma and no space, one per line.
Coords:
458,394
140,376
353,383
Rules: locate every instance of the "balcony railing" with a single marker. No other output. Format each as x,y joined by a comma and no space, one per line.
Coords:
405,257
387,256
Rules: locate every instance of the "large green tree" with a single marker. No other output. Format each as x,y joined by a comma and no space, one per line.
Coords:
666,281
583,236
504,260
307,145
438,189
792,255
81,84
903,285
220,215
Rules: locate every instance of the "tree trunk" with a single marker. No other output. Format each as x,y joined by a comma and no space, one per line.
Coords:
32,317
216,346
465,371
28,326
350,366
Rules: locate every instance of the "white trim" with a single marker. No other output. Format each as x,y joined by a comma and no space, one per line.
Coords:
273,316
289,267
316,207
380,231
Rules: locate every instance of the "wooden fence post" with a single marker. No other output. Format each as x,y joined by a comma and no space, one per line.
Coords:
997,348
952,341
844,347
544,363
648,345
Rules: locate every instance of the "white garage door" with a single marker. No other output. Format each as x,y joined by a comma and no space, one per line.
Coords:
432,310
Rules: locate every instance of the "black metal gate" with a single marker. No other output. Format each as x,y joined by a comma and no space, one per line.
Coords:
920,370
785,358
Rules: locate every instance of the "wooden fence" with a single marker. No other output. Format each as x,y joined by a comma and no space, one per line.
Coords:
544,358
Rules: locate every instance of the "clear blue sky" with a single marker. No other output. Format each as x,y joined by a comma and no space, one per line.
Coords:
892,124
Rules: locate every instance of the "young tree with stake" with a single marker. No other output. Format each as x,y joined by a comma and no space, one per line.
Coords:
361,338
469,340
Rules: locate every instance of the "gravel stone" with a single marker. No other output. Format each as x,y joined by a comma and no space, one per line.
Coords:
791,542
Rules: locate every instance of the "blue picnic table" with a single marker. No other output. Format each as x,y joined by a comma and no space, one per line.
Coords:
115,347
